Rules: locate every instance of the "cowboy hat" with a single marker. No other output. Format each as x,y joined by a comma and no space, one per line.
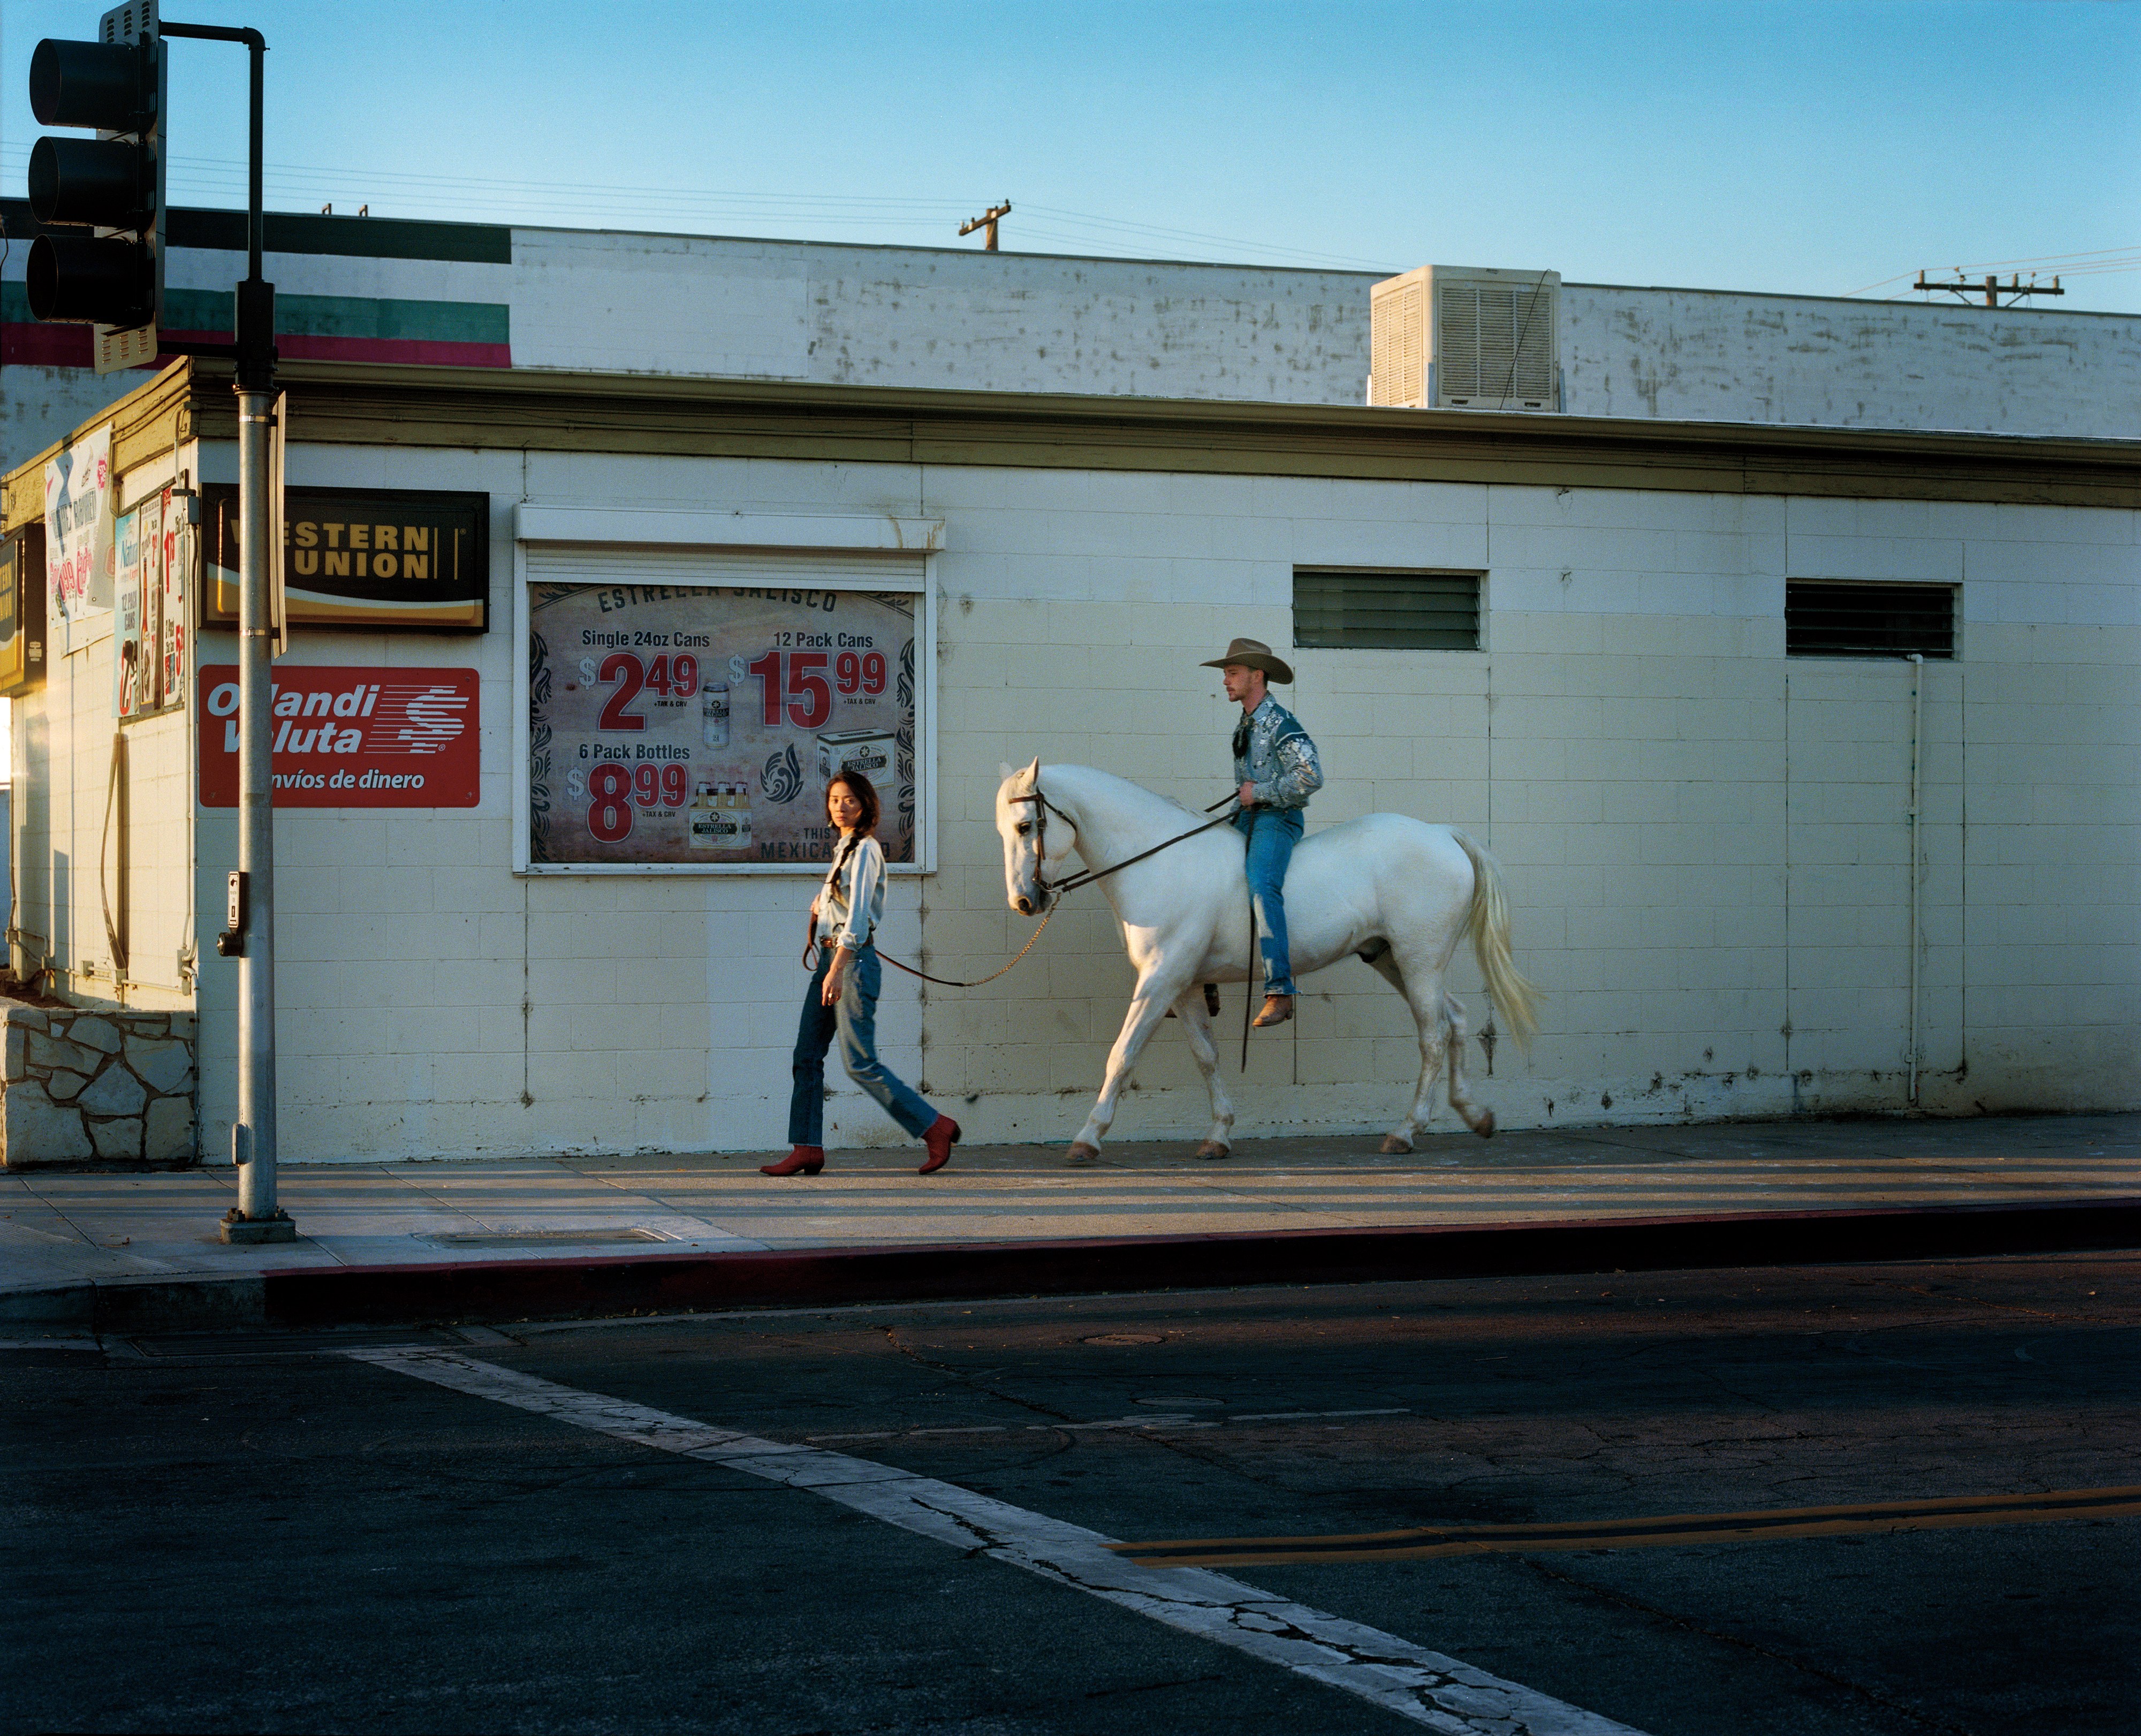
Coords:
1253,654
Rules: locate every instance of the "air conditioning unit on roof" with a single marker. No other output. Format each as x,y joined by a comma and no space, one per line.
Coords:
1463,338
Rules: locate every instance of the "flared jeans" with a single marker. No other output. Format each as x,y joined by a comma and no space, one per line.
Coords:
853,1019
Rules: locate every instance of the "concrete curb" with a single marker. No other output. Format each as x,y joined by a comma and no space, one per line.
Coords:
678,1283
428,1294
197,1303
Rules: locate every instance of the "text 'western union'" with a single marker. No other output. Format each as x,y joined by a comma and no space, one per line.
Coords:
360,551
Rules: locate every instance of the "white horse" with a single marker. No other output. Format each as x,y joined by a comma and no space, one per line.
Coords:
1394,890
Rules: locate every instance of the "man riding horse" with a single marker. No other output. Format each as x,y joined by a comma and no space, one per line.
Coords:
1276,767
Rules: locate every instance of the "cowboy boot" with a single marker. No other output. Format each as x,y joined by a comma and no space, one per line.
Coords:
803,1160
1278,1009
943,1134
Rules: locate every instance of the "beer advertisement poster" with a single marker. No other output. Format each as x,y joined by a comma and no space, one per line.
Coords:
698,726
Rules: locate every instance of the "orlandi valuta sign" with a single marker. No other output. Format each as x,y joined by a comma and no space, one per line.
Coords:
350,736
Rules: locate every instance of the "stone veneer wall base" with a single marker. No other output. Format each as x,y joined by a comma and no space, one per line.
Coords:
83,1085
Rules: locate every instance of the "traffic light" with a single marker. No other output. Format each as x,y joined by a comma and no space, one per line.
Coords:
103,195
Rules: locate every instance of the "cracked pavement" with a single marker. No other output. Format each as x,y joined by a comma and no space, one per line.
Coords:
432,1561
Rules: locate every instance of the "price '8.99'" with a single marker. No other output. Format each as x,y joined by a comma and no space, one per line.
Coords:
613,791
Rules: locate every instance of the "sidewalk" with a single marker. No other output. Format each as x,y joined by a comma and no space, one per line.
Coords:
609,1234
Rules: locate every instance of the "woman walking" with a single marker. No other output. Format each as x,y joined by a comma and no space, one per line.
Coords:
842,998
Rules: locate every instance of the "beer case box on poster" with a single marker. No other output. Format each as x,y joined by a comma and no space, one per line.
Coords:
699,725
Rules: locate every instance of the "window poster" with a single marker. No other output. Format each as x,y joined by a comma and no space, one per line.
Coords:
698,726
78,529
149,625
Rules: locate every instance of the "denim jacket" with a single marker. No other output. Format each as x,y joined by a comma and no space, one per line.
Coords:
1273,751
851,902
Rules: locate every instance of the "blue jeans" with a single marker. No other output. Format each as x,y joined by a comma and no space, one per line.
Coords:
1273,833
853,1019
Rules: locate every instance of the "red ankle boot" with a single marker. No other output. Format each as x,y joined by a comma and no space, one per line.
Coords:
943,1135
803,1160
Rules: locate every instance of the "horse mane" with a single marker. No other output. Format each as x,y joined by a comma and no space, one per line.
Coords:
1163,806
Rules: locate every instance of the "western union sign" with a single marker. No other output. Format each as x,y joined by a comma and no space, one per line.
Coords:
376,558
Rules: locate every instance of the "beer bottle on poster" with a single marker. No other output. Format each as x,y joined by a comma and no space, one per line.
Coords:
701,818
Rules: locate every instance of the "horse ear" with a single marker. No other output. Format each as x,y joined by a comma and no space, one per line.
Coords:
1005,771
1032,773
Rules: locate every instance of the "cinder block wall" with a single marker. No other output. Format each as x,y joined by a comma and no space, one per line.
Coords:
1705,840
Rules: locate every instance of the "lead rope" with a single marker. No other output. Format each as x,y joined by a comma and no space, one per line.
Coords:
1249,984
1073,885
947,982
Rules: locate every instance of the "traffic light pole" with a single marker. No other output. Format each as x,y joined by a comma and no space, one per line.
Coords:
257,1217
112,278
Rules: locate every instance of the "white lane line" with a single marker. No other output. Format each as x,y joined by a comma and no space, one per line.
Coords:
1424,1686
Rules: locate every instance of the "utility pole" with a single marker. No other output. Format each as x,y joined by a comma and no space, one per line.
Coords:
986,223
1992,289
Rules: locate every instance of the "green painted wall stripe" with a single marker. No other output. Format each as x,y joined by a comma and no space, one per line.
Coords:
320,316
347,316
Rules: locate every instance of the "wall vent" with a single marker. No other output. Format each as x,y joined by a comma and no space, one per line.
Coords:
1461,337
1353,608
1849,618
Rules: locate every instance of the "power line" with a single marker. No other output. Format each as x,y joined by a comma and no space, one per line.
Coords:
553,198
2100,261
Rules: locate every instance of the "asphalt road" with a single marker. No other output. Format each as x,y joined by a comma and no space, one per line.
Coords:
202,1538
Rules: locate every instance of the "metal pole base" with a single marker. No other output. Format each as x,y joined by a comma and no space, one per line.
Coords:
237,1227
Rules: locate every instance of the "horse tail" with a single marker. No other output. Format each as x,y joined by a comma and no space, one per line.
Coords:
1515,999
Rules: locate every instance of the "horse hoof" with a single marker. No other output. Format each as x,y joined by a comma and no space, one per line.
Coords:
1393,1147
1484,1128
1212,1148
1082,1156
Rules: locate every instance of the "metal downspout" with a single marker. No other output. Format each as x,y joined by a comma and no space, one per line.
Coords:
1917,689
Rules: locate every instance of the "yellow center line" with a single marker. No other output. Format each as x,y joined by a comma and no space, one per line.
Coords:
1423,1542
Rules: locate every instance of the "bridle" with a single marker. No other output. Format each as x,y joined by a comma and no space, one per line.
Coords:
1043,807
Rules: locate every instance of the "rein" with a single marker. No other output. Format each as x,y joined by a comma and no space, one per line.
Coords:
1042,808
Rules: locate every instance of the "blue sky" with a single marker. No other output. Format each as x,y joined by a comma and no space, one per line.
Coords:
1814,146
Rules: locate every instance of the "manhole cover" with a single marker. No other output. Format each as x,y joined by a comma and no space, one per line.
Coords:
537,1238
1125,1337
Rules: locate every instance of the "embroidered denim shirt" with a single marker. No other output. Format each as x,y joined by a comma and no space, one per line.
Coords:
851,902
1273,751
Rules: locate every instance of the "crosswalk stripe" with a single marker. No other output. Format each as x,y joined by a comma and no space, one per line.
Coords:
1430,1689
